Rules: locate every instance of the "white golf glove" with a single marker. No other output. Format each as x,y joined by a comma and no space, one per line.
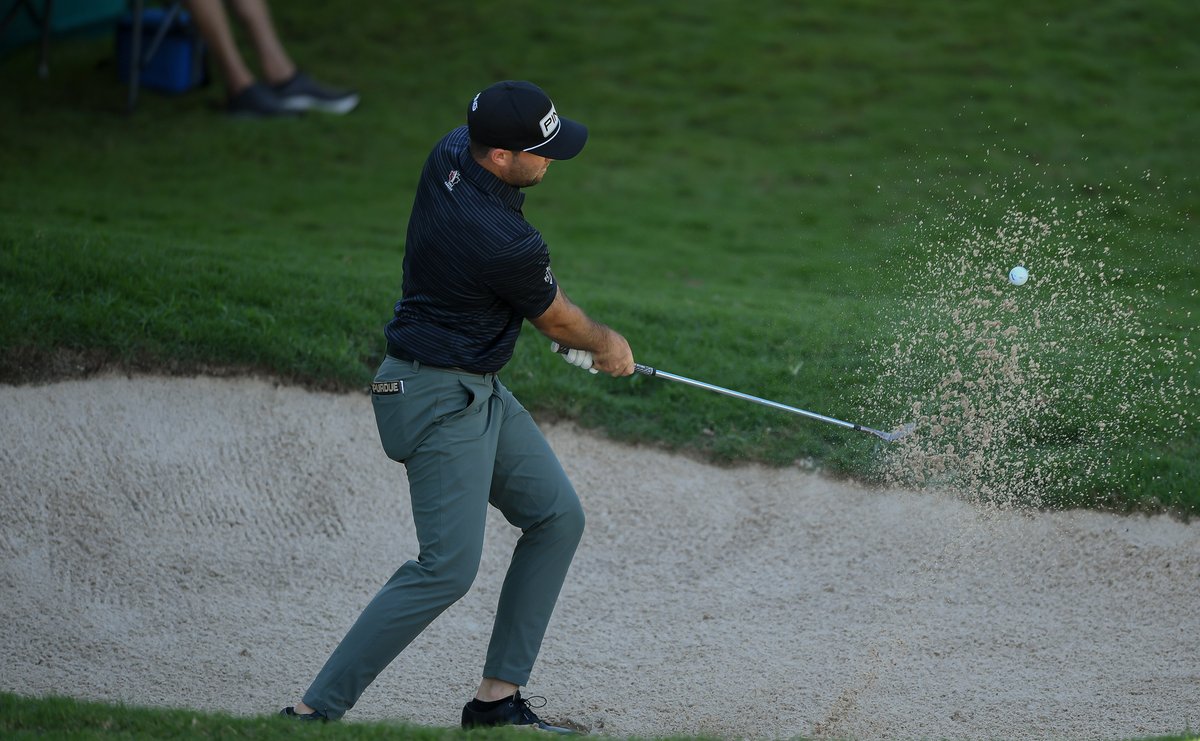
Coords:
580,358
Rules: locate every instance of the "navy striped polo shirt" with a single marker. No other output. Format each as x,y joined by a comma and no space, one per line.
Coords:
474,269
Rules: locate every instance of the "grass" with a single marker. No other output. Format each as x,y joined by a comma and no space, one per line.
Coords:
758,195
76,720
65,718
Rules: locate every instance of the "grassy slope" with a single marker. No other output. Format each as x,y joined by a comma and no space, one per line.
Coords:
63,718
745,211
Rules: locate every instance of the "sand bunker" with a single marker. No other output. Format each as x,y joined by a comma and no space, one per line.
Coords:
204,543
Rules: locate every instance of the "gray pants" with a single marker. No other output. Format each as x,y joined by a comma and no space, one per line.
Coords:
466,443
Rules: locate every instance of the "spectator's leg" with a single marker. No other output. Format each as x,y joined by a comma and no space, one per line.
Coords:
213,22
277,66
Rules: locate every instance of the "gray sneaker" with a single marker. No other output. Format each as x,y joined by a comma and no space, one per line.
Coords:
257,101
302,93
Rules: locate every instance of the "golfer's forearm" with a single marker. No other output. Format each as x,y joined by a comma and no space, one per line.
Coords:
578,331
568,325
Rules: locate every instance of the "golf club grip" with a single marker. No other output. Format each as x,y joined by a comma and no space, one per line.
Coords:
644,370
637,367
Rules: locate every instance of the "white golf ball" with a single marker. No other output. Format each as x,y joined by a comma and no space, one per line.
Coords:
1018,275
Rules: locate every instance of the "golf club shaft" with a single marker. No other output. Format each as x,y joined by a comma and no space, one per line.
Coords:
646,370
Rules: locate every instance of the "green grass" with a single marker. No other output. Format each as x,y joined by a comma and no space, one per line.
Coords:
63,718
756,193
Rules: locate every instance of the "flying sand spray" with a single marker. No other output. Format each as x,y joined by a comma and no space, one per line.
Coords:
1027,398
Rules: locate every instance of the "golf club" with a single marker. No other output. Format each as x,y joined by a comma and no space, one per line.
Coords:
646,370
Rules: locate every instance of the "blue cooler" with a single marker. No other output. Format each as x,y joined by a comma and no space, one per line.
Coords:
177,65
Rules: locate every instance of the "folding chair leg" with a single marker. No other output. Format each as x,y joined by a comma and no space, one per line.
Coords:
135,56
138,60
44,64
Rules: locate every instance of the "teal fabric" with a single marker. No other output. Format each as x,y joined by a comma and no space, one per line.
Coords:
68,16
466,443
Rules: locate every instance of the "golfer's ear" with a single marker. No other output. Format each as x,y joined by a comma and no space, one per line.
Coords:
500,157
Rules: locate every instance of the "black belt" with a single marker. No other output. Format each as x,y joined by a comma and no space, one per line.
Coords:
399,353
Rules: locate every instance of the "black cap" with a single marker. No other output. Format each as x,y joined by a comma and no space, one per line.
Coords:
518,115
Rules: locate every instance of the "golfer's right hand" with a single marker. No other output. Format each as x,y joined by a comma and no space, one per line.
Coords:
616,359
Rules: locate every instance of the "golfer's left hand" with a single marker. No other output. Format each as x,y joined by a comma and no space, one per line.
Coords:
580,358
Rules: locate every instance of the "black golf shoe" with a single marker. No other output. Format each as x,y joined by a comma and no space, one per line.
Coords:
290,712
512,711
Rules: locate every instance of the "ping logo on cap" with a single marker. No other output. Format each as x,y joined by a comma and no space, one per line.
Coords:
549,122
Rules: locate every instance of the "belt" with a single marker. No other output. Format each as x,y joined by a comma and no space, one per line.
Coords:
399,353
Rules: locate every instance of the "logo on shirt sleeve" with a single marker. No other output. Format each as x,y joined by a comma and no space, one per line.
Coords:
548,277
452,180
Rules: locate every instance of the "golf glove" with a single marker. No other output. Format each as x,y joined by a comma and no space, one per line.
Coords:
581,358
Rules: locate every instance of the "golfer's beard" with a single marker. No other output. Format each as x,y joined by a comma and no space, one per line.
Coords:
531,180
527,179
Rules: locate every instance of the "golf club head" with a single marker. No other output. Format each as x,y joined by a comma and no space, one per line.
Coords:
896,434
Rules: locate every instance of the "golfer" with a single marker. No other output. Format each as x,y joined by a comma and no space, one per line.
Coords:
474,270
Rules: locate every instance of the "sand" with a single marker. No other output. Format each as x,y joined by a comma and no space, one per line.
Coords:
204,543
